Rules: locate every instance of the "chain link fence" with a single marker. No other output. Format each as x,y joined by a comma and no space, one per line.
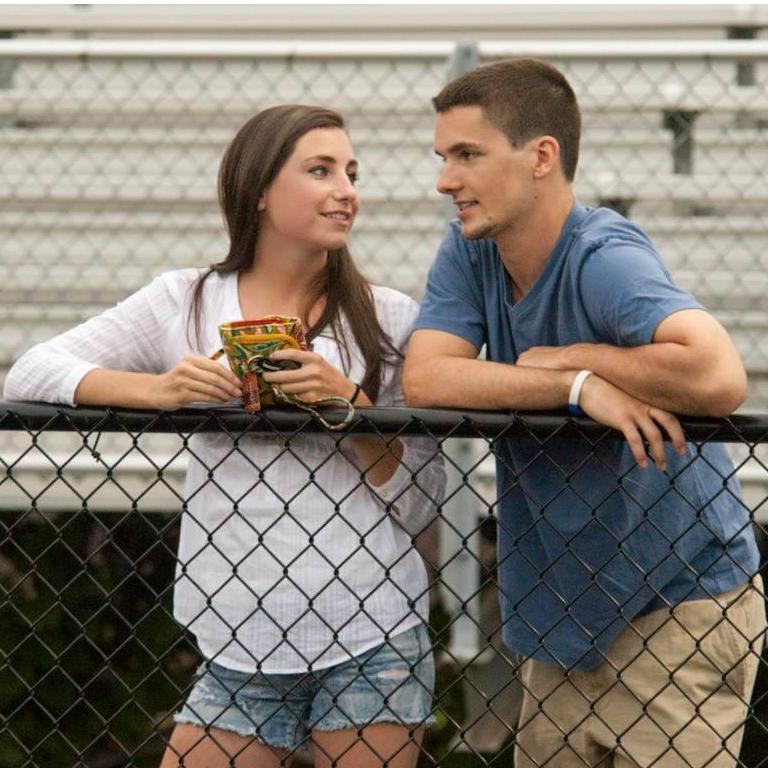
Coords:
109,154
93,664
110,151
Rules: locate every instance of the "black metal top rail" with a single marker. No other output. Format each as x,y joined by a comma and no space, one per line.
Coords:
739,428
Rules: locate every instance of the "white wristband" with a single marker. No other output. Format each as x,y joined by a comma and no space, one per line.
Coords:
575,393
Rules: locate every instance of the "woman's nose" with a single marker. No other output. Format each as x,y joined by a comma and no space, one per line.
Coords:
345,189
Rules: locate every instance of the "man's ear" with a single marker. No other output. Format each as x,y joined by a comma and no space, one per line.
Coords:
547,156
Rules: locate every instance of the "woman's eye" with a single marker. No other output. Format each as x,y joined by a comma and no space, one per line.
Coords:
319,170
353,176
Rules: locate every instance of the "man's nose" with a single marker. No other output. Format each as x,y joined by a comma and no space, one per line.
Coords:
446,180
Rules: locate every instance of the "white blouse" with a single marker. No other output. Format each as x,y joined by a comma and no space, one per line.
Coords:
287,559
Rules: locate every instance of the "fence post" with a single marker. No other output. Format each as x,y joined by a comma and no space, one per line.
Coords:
7,66
459,546
465,57
681,122
745,70
460,552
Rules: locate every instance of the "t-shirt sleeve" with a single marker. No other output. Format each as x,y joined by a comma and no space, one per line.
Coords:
627,291
453,301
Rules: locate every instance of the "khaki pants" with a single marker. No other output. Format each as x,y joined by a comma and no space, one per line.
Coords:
673,692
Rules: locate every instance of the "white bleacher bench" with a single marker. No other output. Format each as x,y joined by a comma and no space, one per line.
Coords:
275,21
157,483
731,151
193,107
67,149
708,242
227,106
706,187
112,191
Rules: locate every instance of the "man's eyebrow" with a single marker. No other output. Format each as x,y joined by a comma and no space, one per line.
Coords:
460,146
327,159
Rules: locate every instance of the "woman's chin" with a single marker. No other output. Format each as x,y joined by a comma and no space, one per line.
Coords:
335,243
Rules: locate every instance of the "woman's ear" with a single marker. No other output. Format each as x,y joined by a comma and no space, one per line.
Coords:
262,204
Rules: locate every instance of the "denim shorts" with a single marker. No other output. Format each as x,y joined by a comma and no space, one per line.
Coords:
392,683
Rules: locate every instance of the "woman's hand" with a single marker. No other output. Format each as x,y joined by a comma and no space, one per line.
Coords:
194,379
315,378
376,457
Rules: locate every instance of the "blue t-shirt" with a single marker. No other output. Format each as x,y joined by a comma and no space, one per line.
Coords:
587,539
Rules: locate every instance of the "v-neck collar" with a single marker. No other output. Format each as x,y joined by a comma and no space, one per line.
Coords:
575,216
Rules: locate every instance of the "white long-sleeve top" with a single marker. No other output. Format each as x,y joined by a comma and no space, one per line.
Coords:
286,558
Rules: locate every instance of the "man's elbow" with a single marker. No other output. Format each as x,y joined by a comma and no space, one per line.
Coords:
724,394
415,387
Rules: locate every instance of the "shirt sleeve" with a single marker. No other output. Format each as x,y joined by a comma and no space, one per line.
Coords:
415,491
627,291
127,337
453,301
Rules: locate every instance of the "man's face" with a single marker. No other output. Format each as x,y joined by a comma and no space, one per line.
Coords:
491,182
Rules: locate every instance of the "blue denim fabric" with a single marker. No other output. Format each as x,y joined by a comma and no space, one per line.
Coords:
393,682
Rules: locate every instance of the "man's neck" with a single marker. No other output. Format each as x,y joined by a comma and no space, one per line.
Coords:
526,249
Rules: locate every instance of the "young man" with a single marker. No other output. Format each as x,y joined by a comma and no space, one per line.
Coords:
628,584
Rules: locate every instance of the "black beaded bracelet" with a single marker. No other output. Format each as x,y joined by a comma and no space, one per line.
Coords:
355,394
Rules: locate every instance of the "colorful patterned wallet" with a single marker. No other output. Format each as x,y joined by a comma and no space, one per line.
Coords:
248,345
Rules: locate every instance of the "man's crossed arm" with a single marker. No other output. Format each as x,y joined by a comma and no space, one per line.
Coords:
691,367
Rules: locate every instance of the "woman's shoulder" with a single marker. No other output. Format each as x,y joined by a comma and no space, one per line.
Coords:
180,283
182,278
395,310
391,298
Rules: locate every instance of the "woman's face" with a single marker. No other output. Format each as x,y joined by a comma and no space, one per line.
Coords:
313,201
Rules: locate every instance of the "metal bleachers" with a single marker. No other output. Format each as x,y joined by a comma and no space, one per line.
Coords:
110,151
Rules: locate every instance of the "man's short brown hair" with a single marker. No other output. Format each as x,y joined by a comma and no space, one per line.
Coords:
523,98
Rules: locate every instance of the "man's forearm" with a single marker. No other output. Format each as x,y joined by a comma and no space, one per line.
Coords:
666,375
454,382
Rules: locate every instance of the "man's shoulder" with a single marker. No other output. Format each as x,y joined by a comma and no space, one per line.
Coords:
605,227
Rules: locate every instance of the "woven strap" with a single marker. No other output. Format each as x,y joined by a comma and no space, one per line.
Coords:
312,407
260,363
257,364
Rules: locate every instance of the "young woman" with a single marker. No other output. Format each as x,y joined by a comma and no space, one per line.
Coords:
295,569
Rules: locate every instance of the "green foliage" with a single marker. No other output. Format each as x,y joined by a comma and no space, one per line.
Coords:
92,664
92,661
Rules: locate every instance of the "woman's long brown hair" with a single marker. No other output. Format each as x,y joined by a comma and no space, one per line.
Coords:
250,164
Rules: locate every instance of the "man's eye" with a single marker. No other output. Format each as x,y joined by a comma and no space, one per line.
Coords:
467,155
